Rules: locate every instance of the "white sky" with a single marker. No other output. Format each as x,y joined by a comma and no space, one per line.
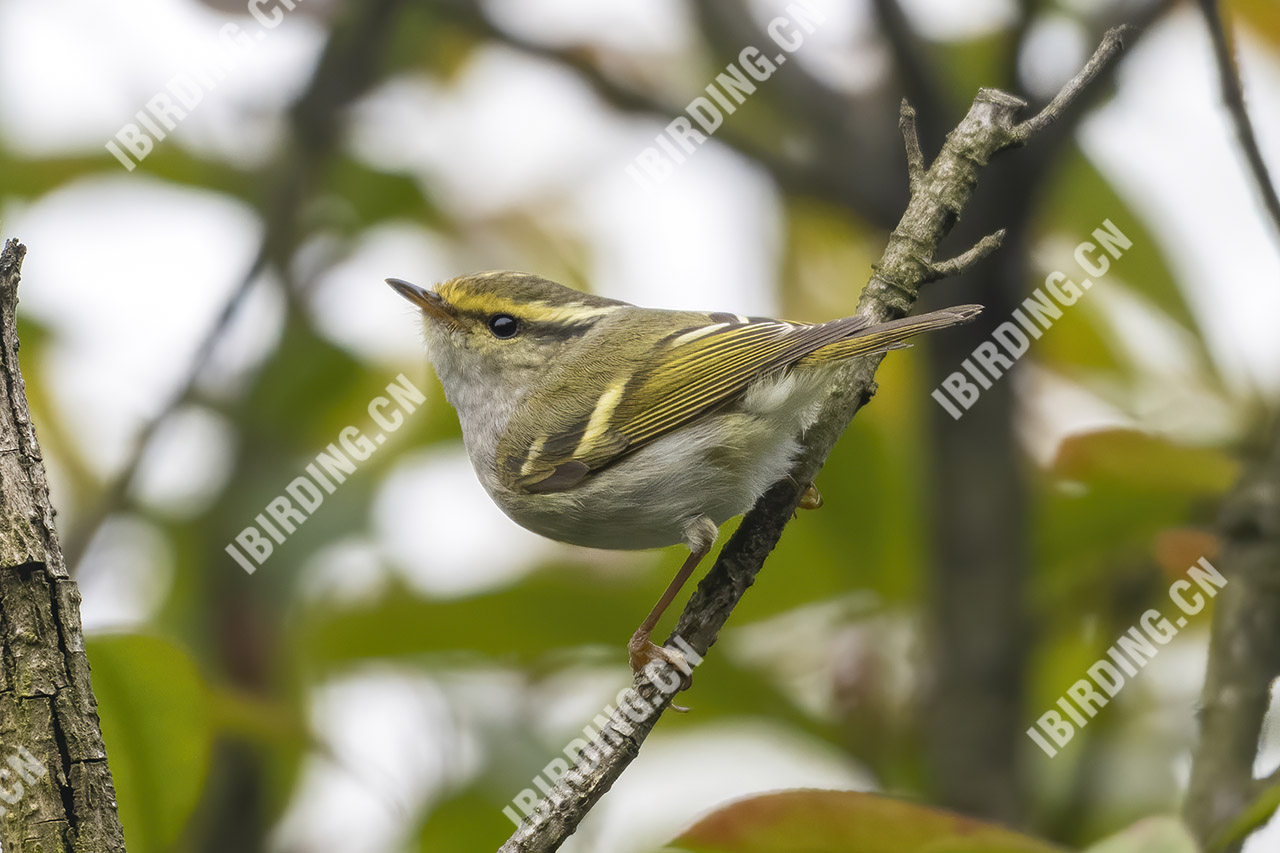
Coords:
706,238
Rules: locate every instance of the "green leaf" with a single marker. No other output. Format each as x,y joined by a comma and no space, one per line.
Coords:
155,722
308,391
812,821
1255,816
469,820
371,195
1150,835
1146,461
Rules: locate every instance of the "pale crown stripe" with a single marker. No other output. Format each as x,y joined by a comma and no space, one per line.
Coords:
573,313
545,312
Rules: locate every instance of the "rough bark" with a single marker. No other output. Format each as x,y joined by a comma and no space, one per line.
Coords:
938,194
55,786
1244,654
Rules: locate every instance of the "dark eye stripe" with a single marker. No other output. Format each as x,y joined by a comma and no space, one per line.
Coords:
546,330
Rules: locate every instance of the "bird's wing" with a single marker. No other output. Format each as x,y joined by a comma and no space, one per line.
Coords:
693,370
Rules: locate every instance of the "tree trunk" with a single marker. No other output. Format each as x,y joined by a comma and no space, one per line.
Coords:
56,792
1244,654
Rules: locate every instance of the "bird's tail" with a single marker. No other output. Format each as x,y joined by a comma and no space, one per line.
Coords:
886,336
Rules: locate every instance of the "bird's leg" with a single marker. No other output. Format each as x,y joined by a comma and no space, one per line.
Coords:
700,535
641,649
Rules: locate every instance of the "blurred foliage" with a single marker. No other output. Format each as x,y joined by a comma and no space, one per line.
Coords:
1153,835
1114,513
156,722
838,821
1257,815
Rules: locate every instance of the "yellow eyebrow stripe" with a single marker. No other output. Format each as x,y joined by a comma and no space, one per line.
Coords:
537,311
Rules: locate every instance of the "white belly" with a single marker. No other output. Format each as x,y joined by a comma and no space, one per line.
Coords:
718,467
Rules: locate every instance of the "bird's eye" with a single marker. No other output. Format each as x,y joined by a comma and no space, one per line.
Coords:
503,326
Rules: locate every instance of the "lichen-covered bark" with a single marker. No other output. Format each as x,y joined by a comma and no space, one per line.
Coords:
56,792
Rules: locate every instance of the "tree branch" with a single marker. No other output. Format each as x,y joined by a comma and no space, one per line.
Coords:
1233,98
911,141
1244,653
1112,43
65,797
806,102
942,192
1054,138
347,68
964,261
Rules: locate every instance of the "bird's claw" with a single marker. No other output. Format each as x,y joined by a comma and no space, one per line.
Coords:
642,651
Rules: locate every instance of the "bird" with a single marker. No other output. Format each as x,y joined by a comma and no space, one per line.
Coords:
604,424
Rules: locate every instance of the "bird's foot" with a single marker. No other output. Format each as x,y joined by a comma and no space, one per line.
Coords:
642,651
811,499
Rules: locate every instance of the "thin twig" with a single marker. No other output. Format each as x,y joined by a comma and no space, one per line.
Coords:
945,189
116,492
1233,98
349,57
911,139
1136,22
1112,43
961,263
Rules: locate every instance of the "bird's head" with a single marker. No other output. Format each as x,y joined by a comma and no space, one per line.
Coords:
506,327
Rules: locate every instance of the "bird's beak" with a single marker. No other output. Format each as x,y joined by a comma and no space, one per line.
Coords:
427,300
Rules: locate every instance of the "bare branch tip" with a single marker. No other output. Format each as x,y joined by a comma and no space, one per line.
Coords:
911,140
1112,43
965,261
1117,34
